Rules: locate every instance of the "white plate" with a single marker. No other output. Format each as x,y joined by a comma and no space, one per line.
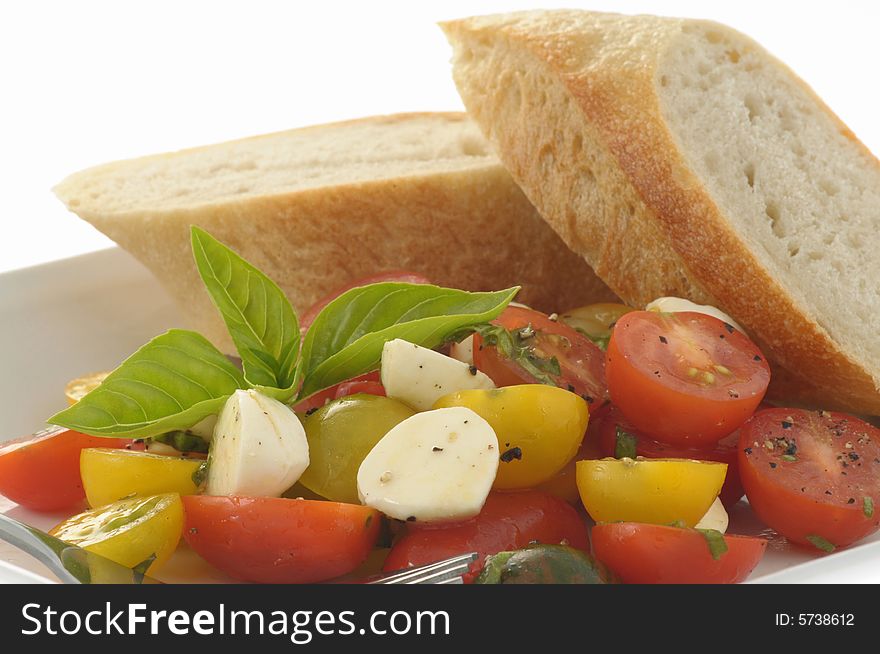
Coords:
70,317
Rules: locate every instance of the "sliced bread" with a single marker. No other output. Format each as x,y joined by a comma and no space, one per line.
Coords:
319,207
678,157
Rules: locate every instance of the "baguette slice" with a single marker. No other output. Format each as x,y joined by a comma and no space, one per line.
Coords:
319,207
678,157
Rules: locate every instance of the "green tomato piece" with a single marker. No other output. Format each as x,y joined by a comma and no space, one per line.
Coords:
340,435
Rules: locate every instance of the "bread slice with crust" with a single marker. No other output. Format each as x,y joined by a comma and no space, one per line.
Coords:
678,157
319,207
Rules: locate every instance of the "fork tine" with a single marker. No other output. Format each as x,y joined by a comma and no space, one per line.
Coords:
440,572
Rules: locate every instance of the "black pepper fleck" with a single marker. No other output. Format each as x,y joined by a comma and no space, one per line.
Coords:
511,454
663,340
773,465
728,327
436,449
472,370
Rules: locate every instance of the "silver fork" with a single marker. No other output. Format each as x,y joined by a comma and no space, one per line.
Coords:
71,564
74,565
447,571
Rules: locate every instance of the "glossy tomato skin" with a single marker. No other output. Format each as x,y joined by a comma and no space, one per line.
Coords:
390,276
684,378
657,554
508,521
808,474
581,362
41,472
275,540
368,383
724,451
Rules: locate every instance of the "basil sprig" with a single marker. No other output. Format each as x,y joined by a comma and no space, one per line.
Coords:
258,316
179,378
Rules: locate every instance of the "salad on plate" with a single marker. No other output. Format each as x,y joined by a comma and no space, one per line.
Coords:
399,423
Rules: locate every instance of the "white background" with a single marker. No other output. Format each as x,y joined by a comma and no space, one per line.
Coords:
86,82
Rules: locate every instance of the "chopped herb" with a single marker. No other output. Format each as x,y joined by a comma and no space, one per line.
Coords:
821,543
756,358
868,507
786,424
789,457
748,450
200,474
183,441
518,346
772,465
511,454
624,445
715,541
138,571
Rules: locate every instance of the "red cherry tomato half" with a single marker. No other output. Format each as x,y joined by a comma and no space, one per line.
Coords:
655,554
724,451
812,476
581,362
275,540
684,378
41,472
508,521
391,276
367,383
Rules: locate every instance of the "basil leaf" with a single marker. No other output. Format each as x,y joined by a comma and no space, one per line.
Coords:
868,506
170,383
821,543
716,542
624,445
347,337
258,315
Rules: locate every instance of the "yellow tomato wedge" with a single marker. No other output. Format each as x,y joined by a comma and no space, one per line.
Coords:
539,429
109,475
656,491
77,388
141,531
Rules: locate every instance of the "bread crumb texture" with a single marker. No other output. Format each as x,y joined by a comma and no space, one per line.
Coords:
789,176
284,162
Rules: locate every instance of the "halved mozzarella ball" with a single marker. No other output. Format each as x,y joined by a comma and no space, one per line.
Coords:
435,466
716,517
259,447
420,376
463,351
